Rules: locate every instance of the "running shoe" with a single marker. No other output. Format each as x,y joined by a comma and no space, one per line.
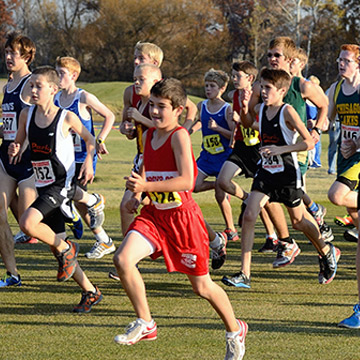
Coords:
218,255
238,280
88,299
235,346
67,261
328,265
231,235
351,235
242,211
100,249
76,225
286,253
21,238
10,280
344,221
136,331
96,212
319,214
326,232
352,322
114,276
269,246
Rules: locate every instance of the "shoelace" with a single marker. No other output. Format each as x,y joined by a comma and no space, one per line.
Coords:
131,327
357,308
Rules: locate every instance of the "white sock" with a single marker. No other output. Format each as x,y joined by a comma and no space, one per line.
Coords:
234,333
273,236
92,200
102,236
147,323
216,242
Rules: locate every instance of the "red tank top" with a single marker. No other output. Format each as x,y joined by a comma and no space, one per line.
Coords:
160,165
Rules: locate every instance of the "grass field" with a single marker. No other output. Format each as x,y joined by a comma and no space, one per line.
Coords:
290,315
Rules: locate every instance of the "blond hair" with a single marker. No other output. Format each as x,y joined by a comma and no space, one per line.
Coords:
151,50
301,55
154,69
69,63
287,44
221,78
314,79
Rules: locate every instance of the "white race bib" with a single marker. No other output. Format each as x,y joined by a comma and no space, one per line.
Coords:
44,174
10,125
273,164
76,140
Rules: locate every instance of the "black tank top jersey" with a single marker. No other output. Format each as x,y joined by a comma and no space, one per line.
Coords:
12,105
52,155
282,169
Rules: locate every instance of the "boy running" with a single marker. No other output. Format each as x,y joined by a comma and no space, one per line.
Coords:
47,130
19,53
279,177
215,120
82,103
172,225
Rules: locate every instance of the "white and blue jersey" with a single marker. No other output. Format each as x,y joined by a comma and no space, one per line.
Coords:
79,143
215,146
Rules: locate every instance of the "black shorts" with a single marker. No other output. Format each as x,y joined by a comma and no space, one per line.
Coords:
20,171
246,158
351,184
50,201
290,196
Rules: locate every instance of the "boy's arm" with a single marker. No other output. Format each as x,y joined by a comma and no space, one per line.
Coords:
316,95
196,126
249,100
181,146
14,150
94,103
293,122
190,113
134,114
126,127
71,121
332,108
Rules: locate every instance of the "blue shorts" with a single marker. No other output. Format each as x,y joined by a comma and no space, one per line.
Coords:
210,164
20,171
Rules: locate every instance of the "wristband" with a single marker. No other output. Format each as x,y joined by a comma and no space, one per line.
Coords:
317,130
100,141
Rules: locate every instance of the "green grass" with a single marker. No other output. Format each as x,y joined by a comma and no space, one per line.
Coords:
290,315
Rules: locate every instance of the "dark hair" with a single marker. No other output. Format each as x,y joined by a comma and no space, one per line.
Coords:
26,47
171,89
278,78
245,66
49,72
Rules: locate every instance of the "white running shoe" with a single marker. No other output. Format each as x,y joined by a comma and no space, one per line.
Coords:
136,331
235,346
96,212
100,249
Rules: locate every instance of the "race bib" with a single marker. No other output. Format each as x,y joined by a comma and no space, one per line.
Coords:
349,132
250,136
44,174
273,164
76,140
9,125
212,144
165,200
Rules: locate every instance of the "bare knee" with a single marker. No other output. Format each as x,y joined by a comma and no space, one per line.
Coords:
297,223
26,225
250,216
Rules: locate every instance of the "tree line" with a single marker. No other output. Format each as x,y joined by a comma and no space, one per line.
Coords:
194,35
